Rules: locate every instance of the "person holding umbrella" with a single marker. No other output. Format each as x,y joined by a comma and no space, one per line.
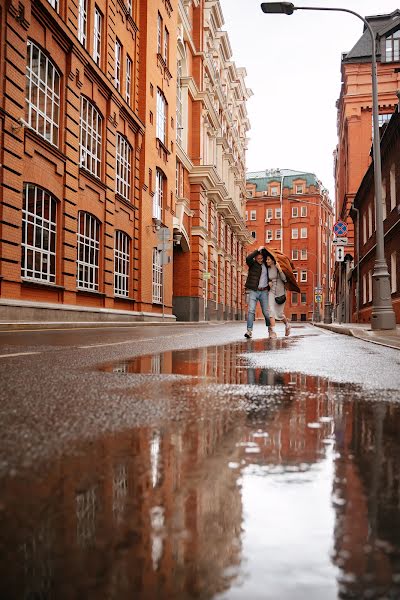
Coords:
257,288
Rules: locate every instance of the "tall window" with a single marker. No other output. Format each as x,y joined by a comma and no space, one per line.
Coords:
304,254
393,47
90,134
158,196
121,264
295,233
303,276
277,213
166,46
159,33
278,234
123,167
117,67
392,187
369,286
38,235
303,211
295,211
157,276
299,189
161,129
268,214
253,215
393,272
128,81
82,21
88,252
42,102
179,104
303,232
97,36
295,254
268,235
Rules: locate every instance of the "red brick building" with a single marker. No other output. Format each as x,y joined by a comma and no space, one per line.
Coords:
353,152
291,211
95,103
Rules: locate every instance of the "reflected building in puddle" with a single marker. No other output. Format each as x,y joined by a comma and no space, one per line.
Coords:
366,498
145,513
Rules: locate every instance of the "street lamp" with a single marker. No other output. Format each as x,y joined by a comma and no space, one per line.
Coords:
383,316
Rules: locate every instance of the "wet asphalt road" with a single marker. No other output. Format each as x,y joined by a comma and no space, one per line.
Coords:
186,462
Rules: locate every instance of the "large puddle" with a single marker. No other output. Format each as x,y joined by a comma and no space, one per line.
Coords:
273,485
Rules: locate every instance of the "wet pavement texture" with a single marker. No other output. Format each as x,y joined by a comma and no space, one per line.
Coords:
261,469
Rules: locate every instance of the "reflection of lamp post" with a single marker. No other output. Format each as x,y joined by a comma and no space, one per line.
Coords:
383,316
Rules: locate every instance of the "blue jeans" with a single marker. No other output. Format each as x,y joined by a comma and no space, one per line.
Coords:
262,297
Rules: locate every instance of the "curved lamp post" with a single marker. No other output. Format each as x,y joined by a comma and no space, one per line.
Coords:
383,316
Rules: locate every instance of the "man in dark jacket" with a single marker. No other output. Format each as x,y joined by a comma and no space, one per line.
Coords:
257,286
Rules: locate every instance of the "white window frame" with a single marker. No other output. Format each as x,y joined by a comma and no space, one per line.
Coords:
393,272
295,233
165,54
161,125
303,233
123,152
253,215
128,79
299,188
392,47
278,234
117,65
303,276
303,254
39,222
158,198
121,264
98,20
295,254
303,211
88,249
82,22
268,213
384,211
179,104
393,200
295,212
90,137
42,102
268,235
274,190
364,288
159,33
278,213
369,286
54,4
295,274
157,283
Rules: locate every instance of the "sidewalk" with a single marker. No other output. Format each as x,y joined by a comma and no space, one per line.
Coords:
363,331
48,325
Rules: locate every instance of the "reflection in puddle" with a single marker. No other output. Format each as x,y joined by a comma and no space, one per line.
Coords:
221,502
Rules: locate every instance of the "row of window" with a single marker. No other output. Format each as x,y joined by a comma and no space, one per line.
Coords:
297,211
278,234
274,190
368,219
39,231
367,280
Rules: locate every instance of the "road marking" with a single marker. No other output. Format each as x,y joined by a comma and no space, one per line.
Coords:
133,341
18,354
117,343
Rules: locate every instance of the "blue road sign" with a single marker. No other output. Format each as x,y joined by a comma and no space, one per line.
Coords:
340,228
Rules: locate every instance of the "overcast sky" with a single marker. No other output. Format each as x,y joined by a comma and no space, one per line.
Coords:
293,69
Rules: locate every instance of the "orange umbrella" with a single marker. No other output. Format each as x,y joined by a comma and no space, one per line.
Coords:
287,267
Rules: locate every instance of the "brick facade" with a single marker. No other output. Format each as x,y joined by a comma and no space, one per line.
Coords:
90,157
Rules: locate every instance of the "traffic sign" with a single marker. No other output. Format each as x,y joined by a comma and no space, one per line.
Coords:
318,298
339,253
340,241
163,234
340,228
206,275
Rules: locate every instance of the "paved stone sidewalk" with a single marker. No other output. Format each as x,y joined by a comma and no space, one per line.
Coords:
363,331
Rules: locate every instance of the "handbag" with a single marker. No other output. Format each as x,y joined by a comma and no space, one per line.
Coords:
280,299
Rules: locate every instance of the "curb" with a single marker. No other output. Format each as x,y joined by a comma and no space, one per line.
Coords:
358,334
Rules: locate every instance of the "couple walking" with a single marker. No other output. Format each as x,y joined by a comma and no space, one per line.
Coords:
265,282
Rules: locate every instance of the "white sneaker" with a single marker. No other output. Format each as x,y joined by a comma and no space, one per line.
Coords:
248,334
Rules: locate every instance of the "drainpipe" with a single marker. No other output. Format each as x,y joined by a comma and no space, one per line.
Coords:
358,262
281,203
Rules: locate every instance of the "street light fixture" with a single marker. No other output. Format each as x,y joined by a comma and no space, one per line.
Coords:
383,316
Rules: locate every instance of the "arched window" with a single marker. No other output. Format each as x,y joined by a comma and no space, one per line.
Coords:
90,137
121,264
123,167
88,237
38,259
42,102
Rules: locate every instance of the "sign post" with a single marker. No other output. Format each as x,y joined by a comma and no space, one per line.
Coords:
163,236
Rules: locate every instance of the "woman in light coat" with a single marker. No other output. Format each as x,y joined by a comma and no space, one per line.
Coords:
276,281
